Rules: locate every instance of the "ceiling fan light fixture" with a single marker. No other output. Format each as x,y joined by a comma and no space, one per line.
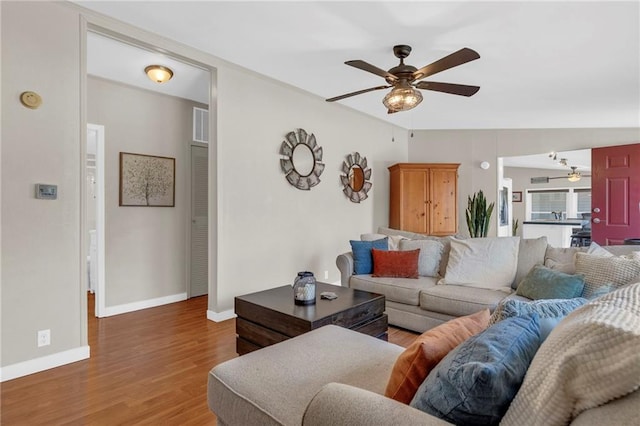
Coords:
158,73
574,176
402,98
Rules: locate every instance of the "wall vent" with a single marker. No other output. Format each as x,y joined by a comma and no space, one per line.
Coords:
200,125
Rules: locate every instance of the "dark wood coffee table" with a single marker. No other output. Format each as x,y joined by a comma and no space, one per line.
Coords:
271,316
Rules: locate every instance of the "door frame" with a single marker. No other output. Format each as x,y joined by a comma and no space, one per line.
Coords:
100,305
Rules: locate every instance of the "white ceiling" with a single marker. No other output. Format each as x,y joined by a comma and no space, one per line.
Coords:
543,64
552,160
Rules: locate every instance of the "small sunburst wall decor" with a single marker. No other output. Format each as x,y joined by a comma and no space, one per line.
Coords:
355,177
302,162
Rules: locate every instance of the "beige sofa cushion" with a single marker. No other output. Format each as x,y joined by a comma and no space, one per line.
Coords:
402,290
483,262
531,252
457,301
273,386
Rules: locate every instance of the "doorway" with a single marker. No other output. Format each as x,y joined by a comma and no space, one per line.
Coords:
94,215
134,130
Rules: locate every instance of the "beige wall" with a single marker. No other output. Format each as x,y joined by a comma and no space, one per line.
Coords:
269,230
262,229
145,247
40,239
471,147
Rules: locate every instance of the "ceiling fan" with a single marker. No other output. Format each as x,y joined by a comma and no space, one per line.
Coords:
405,79
573,176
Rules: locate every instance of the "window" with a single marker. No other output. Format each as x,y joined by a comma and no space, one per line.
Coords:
558,203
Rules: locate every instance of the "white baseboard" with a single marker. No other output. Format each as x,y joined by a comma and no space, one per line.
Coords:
220,316
43,363
143,304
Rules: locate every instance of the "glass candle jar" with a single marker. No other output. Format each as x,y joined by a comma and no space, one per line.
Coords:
304,288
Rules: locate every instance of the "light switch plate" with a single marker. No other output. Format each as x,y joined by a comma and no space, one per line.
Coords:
46,192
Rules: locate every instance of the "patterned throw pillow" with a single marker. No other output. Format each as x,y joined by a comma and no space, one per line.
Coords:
545,308
414,364
589,359
475,383
362,260
395,264
599,271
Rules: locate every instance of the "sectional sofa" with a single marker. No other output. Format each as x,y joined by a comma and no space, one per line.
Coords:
580,366
586,373
420,304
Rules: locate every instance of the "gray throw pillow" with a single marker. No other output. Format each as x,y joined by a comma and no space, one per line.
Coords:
430,255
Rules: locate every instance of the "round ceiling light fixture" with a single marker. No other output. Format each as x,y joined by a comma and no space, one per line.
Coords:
158,73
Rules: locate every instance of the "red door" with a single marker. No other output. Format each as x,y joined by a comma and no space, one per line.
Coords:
615,194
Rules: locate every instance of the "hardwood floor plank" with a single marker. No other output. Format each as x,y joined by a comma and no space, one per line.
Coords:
146,367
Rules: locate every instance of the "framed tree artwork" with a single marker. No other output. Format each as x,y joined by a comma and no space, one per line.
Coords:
147,180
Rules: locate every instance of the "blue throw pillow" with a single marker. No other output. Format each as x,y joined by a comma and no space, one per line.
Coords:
362,258
475,383
545,308
544,283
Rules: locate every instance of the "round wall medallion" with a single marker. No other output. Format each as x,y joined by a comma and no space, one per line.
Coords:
302,164
356,177
30,99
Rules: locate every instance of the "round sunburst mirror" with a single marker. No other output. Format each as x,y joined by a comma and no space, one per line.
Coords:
355,177
302,162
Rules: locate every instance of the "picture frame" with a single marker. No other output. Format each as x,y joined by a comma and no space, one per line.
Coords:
147,180
516,196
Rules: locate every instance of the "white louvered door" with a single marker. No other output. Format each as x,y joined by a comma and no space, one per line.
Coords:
199,227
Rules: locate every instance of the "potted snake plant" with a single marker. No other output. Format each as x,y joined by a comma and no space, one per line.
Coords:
478,215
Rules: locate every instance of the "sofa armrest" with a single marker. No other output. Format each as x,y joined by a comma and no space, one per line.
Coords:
344,262
337,403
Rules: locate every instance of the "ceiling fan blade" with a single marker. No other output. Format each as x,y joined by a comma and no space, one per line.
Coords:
454,89
365,66
359,92
460,57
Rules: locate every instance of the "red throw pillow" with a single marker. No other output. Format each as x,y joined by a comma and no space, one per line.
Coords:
395,264
416,362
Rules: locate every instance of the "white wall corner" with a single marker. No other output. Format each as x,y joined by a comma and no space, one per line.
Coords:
144,304
43,363
220,316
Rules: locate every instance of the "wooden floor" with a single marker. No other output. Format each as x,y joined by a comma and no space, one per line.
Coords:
146,367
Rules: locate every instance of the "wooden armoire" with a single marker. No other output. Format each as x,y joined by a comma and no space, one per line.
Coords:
424,198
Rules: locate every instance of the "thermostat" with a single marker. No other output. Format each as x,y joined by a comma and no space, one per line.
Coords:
46,192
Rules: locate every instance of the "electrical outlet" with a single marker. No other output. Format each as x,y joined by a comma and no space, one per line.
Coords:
44,338
326,275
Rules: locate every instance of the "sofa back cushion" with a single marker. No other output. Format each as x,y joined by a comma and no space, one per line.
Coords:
483,262
531,252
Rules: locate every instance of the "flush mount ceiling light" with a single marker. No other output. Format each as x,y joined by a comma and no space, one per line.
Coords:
574,176
158,73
